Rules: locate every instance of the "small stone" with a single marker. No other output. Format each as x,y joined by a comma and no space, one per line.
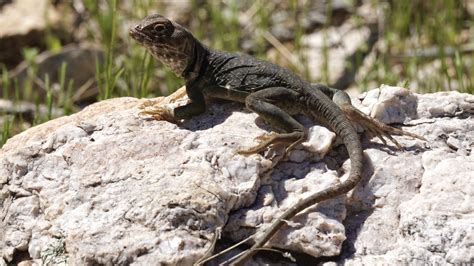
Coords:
453,143
319,140
394,105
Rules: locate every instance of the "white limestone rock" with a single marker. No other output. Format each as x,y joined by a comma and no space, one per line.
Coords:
122,189
119,188
417,207
317,231
391,104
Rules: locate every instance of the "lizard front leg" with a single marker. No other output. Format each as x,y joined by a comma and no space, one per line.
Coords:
196,106
274,105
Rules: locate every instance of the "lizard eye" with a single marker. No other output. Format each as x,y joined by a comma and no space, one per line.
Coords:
159,28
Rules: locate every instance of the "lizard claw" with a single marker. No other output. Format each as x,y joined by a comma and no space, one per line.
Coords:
161,113
268,139
376,128
263,140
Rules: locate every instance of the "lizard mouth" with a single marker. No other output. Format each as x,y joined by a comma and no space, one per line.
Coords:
138,35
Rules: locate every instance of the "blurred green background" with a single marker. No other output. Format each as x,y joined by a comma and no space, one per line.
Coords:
78,51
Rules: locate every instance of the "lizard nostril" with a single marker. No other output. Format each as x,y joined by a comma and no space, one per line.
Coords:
134,31
136,28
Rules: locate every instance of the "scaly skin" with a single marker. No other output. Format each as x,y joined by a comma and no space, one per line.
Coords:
272,92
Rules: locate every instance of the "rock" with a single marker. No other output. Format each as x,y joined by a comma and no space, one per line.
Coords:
332,53
80,61
317,231
24,23
108,186
140,211
417,206
391,105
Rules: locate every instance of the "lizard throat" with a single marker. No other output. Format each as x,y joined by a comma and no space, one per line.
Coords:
174,60
186,62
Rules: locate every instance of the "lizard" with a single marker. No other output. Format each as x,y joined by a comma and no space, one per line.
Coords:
273,92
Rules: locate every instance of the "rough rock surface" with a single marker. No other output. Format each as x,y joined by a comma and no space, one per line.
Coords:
106,185
417,207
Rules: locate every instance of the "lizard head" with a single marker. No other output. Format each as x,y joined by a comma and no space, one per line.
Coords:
167,41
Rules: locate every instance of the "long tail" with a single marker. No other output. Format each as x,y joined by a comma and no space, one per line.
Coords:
321,107
341,125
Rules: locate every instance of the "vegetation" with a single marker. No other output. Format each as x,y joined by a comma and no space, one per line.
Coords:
416,36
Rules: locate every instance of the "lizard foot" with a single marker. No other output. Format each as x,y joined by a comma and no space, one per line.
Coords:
375,127
161,113
265,140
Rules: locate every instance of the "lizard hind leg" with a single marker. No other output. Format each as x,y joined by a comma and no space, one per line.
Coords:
274,105
374,127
